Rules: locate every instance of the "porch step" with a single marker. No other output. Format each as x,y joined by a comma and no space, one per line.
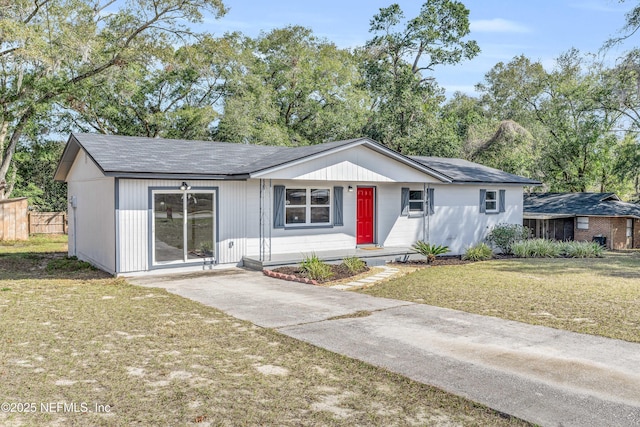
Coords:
252,264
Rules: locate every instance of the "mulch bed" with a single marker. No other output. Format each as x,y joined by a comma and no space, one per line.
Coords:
339,272
441,260
447,260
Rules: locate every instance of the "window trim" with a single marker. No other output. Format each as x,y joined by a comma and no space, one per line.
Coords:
494,200
151,246
308,206
585,221
500,201
422,201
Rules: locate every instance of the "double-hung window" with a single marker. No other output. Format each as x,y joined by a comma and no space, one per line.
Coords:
307,206
416,202
491,201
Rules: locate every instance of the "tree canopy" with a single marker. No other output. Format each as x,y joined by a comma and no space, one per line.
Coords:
98,66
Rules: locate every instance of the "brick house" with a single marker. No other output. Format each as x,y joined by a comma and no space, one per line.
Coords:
583,216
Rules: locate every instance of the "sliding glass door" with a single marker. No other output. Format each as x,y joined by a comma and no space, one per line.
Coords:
183,226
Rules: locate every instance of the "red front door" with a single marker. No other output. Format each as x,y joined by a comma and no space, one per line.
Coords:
365,215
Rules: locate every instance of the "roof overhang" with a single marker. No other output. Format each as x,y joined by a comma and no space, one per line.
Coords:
526,215
152,175
361,142
69,155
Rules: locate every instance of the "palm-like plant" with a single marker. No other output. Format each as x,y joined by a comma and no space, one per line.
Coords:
430,251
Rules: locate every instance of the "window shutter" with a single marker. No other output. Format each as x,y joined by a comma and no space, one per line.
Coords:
483,201
404,207
337,206
502,200
278,206
430,192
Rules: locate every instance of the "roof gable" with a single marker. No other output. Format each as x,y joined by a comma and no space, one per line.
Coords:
354,162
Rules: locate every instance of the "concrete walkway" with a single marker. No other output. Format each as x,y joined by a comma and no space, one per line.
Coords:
546,376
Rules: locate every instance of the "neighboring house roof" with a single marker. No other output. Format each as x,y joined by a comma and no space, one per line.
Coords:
126,156
557,205
464,171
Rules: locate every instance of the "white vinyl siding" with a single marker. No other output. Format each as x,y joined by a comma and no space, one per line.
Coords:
92,222
238,206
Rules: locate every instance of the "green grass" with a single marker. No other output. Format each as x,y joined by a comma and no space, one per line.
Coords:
598,296
155,358
36,243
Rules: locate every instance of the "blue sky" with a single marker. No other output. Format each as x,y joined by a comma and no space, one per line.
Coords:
539,29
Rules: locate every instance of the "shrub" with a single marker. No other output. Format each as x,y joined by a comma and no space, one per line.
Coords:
430,251
537,248
503,236
354,264
315,268
581,249
478,252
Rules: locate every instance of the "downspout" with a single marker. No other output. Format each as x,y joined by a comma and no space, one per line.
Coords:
117,223
270,219
428,236
73,201
261,222
425,216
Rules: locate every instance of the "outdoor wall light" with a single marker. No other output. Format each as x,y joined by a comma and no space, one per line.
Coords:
350,189
185,186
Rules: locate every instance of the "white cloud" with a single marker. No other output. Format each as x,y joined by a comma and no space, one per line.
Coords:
497,25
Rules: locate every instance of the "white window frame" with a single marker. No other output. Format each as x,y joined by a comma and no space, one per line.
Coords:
183,213
582,222
308,207
494,200
421,200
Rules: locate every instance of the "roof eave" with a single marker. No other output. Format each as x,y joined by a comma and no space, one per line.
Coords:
524,184
65,163
185,176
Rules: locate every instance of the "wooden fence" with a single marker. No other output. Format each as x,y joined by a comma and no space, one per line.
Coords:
47,223
14,222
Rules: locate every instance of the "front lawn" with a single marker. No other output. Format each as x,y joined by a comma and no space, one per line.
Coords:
599,296
71,335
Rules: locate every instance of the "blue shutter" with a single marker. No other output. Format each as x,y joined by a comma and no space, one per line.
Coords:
337,206
430,193
278,206
404,206
502,200
483,201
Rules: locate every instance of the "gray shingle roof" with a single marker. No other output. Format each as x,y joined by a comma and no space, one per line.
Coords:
465,171
127,155
124,156
578,204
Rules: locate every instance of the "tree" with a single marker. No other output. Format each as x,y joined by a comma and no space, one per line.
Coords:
296,90
396,60
561,109
630,28
49,47
175,97
511,148
35,163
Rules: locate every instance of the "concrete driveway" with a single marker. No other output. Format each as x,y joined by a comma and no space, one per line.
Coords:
543,375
